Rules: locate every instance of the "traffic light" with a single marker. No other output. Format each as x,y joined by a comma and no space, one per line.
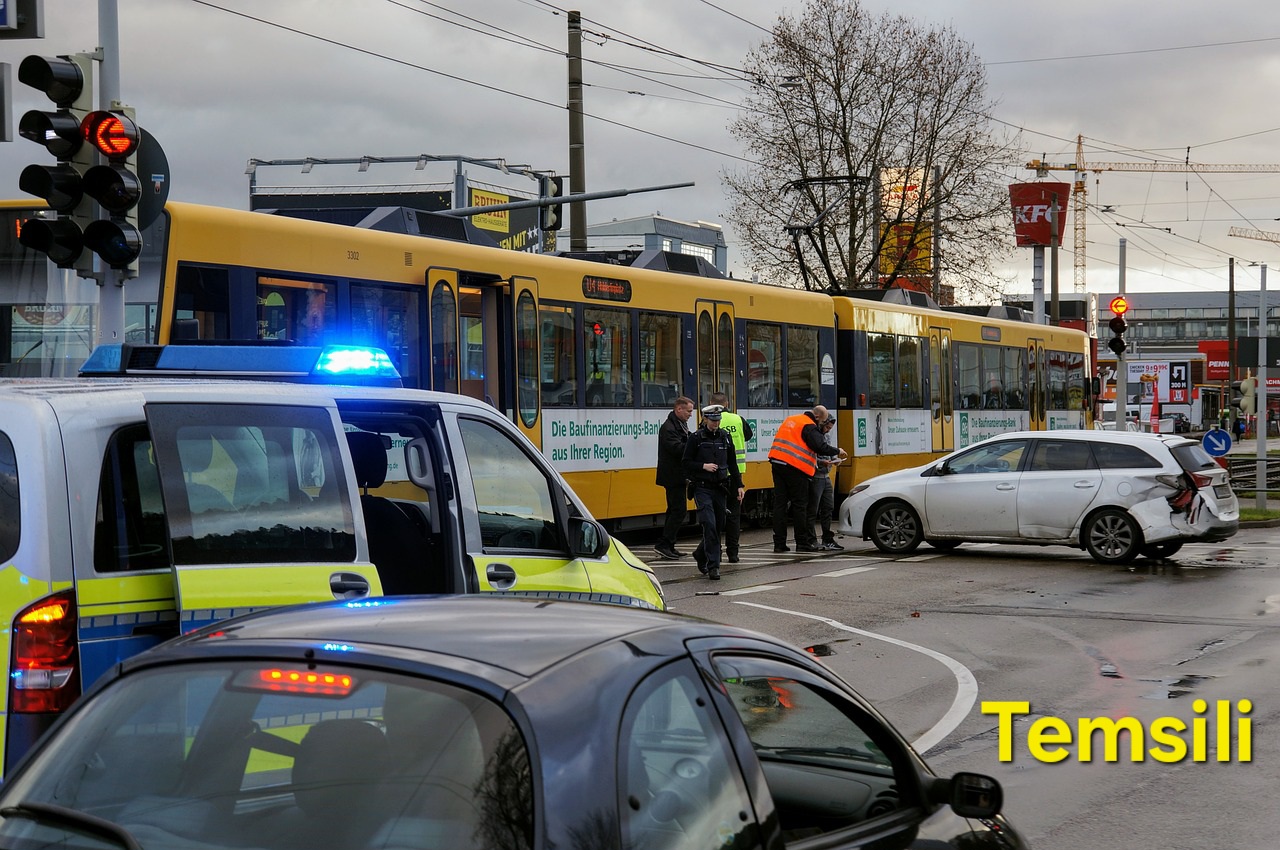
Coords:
115,186
551,216
68,82
1119,306
1243,395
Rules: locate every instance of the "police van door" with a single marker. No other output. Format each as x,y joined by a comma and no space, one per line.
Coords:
515,512
258,507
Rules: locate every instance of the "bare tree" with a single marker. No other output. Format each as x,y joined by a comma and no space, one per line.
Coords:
839,100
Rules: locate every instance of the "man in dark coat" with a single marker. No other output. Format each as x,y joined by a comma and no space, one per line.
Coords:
712,463
672,437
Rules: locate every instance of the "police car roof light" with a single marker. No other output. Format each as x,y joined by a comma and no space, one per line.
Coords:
335,364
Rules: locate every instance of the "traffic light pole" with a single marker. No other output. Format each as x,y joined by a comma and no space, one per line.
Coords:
1122,369
1260,487
111,299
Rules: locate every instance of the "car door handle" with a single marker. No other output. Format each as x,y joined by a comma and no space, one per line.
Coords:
1084,485
348,585
1007,485
500,576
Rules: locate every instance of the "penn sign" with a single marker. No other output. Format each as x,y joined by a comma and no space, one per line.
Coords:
1032,212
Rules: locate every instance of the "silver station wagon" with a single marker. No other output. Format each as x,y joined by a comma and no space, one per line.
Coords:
1116,494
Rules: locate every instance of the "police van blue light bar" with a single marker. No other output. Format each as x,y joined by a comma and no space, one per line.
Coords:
333,364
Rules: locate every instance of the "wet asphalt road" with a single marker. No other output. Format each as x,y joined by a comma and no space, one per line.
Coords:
930,637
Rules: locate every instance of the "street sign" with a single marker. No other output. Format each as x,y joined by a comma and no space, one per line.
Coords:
1216,442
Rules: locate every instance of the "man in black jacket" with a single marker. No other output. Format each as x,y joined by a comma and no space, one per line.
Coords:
711,461
672,437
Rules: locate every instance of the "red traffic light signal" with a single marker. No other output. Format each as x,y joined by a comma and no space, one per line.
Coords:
113,134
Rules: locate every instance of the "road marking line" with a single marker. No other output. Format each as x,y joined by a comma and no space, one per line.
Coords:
966,684
759,588
922,558
846,572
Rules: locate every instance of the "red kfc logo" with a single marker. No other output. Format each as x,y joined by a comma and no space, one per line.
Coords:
1032,212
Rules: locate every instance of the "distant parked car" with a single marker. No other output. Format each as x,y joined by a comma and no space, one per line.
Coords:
1116,494
1181,423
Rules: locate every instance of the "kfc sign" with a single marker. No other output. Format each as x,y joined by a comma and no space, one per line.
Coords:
1032,203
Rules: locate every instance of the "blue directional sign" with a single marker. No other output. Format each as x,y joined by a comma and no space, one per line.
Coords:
1216,442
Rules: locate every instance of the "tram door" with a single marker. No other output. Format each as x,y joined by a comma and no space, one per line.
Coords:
941,389
716,365
1038,381
472,339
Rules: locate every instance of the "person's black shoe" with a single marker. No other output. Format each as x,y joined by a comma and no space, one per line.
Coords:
809,547
714,575
733,559
780,549
702,561
667,551
832,546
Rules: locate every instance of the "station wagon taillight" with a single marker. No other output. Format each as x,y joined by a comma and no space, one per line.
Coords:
45,660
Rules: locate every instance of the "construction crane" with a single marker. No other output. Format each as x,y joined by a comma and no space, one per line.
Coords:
1249,233
1082,168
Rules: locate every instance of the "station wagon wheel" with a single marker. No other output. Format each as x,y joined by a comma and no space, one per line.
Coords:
1112,537
895,528
1163,549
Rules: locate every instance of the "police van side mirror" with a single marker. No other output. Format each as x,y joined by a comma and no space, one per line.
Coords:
587,538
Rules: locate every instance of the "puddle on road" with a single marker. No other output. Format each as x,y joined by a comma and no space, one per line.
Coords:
1172,688
1182,563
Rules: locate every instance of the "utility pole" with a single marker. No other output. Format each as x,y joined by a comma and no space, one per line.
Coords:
577,140
1260,486
111,300
1122,368
1231,331
1054,316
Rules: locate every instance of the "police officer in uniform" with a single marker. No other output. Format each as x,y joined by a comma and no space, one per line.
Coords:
739,430
711,463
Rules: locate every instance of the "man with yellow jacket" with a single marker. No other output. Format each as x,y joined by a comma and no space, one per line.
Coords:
793,457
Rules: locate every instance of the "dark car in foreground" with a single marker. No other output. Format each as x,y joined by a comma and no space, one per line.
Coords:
471,722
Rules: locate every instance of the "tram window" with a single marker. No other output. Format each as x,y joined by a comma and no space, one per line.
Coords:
1015,378
527,358
802,366
724,357
992,379
1057,380
968,380
1076,383
608,345
706,355
202,308
444,339
388,318
764,365
299,310
910,372
880,356
559,368
659,359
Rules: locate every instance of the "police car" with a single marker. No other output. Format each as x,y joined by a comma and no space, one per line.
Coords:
133,509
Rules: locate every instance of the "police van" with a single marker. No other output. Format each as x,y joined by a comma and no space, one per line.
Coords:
133,509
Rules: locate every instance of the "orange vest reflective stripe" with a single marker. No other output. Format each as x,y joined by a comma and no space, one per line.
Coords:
789,448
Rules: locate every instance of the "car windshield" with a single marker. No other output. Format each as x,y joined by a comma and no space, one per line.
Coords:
272,755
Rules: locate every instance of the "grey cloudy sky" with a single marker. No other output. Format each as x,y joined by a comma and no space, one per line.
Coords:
222,81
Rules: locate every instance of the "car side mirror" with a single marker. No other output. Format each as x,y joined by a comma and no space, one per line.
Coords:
588,539
970,795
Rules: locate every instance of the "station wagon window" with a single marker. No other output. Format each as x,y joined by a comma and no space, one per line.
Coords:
252,483
678,785
1121,456
129,531
10,504
513,494
1002,456
1050,455
829,766
378,760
